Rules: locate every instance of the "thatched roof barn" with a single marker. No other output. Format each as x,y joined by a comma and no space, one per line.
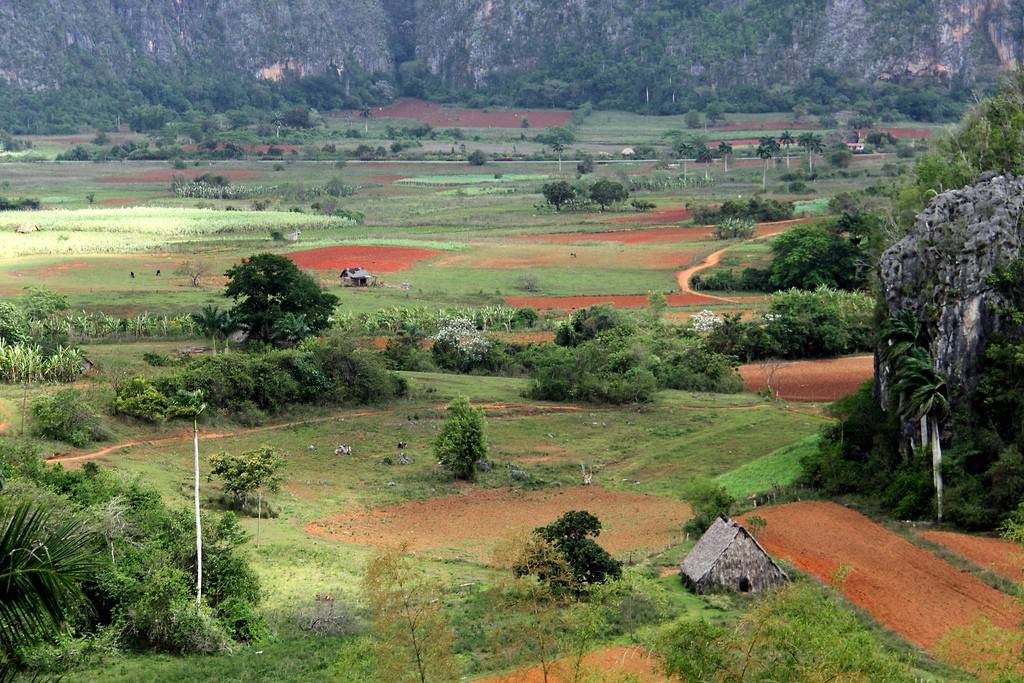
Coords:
26,228
356,277
728,558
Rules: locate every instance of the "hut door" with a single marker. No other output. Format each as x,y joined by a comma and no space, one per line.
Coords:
744,585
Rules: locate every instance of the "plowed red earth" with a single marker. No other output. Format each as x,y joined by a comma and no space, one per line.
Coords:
908,133
374,259
611,664
672,234
906,588
995,554
160,175
810,380
452,117
662,216
571,303
470,524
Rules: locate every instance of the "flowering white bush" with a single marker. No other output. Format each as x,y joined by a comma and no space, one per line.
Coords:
706,321
461,334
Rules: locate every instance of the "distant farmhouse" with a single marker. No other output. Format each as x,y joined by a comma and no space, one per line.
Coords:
728,558
356,277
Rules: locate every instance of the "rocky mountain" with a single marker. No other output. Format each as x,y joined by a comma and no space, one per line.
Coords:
620,52
940,271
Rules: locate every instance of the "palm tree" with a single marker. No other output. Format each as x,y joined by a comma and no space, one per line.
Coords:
725,151
45,559
812,143
927,398
902,335
364,113
767,149
787,139
214,324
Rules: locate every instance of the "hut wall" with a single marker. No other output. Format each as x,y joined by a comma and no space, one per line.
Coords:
742,559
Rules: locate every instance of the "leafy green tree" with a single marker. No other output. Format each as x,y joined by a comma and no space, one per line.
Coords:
477,157
42,302
606,192
64,416
267,287
47,559
462,443
809,256
585,562
252,471
13,324
558,193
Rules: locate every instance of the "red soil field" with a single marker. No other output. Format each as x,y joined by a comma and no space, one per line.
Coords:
374,259
672,234
908,133
904,587
571,303
995,554
470,524
161,175
452,117
612,663
662,216
810,380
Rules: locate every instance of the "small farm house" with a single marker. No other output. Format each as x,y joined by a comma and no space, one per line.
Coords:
728,558
356,277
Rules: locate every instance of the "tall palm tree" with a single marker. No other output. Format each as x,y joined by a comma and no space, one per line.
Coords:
786,139
767,149
927,398
811,142
725,151
44,560
902,335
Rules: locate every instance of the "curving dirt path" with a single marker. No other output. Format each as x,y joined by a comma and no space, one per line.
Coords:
713,259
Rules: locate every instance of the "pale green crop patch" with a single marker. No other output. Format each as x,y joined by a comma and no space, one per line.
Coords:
471,179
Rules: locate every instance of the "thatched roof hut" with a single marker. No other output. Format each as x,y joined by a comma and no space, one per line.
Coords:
26,228
728,558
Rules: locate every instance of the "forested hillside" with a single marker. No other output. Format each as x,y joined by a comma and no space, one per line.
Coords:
916,57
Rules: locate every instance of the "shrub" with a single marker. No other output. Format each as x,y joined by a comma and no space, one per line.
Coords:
64,416
462,443
13,324
708,500
757,209
477,157
735,228
137,397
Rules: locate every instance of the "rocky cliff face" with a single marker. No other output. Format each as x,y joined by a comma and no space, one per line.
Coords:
477,42
939,271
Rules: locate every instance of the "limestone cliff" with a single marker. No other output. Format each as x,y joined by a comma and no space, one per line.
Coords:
940,268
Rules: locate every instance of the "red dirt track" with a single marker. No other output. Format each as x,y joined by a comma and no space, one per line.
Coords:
612,664
374,259
994,554
906,588
811,380
452,117
470,524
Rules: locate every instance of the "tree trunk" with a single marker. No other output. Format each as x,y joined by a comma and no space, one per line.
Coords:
764,176
937,466
924,430
810,162
259,513
199,528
